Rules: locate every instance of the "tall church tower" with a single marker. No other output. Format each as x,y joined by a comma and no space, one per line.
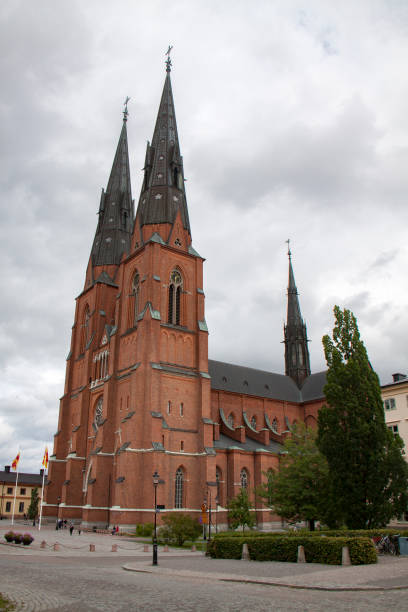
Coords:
137,390
297,361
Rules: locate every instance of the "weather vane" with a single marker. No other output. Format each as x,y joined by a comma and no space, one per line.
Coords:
125,111
289,251
168,60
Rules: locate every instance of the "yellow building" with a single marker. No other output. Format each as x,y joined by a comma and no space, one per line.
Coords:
395,399
26,483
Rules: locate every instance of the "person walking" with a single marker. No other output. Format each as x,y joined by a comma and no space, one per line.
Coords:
71,527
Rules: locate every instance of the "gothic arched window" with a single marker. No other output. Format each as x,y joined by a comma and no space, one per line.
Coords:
134,300
244,479
218,481
230,420
275,425
85,329
269,480
178,489
253,422
175,290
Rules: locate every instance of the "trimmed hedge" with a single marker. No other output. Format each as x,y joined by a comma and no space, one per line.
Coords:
334,533
327,550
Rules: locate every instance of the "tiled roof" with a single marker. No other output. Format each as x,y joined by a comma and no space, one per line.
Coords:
249,381
23,478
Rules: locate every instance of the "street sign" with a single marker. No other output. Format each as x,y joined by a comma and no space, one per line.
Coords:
204,507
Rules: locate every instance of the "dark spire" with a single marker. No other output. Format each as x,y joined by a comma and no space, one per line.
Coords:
113,234
297,361
163,193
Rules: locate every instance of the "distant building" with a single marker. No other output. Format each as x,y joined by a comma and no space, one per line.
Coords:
140,392
26,483
395,399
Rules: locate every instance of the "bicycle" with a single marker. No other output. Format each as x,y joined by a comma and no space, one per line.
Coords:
388,545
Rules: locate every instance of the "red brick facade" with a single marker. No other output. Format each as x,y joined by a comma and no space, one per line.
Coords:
138,395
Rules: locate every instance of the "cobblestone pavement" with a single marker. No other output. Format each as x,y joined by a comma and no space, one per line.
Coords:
66,585
75,579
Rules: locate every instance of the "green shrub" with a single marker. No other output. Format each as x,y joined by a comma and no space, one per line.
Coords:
327,550
144,530
179,527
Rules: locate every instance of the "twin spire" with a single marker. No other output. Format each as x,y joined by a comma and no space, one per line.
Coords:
162,200
162,195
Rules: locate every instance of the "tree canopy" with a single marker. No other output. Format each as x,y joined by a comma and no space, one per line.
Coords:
366,467
299,489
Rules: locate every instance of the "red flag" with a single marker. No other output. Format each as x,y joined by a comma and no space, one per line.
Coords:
45,459
15,462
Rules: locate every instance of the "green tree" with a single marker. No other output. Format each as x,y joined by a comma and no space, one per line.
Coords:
179,527
240,511
299,489
366,468
32,511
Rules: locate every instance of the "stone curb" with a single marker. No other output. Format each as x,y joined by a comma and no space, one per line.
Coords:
262,581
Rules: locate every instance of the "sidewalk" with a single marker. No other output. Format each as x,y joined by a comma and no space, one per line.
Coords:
388,574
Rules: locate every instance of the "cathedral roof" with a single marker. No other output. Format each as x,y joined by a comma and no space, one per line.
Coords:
163,193
250,381
249,445
115,224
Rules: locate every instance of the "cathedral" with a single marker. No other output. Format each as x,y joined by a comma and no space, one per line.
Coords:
141,396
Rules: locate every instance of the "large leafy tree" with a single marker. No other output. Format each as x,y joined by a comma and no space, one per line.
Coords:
366,468
299,489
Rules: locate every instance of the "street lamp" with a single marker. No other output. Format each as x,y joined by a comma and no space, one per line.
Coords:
216,513
209,515
155,484
58,503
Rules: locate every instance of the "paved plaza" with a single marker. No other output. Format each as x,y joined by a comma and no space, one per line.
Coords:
76,579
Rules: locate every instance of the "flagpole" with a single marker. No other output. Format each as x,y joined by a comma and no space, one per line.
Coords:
41,505
15,493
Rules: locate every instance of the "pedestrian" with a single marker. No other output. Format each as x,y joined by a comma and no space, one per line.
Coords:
71,527
79,530
56,525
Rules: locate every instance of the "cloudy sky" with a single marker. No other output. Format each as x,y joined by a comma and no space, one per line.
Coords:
293,123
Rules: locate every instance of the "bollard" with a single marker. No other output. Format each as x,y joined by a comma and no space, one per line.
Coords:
301,554
146,548
245,552
92,548
114,548
345,556
43,544
165,548
56,546
193,548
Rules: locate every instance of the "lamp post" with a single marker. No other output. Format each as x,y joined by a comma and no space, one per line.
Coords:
58,503
209,515
216,513
155,484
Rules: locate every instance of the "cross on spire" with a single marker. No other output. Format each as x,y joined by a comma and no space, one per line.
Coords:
125,110
168,60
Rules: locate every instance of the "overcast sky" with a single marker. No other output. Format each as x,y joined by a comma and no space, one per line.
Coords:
292,119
